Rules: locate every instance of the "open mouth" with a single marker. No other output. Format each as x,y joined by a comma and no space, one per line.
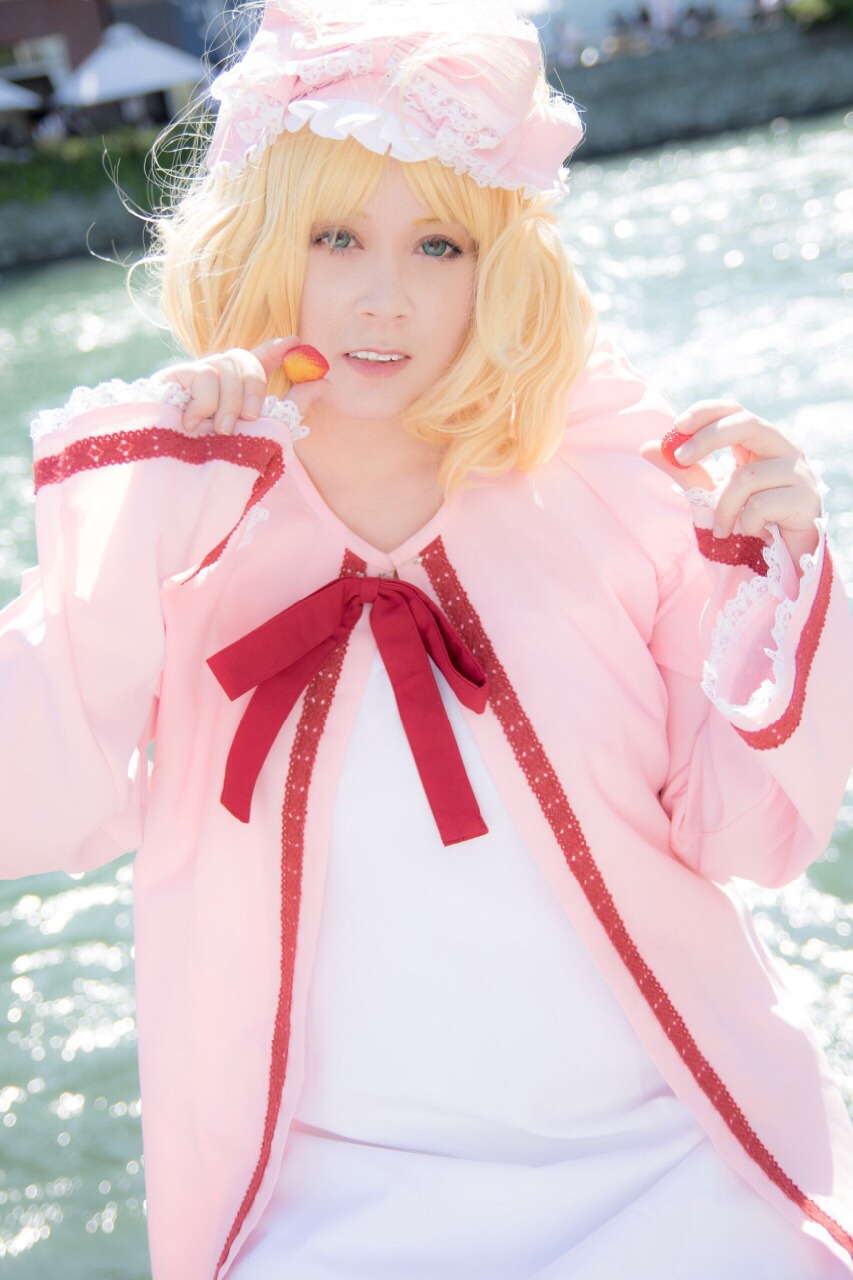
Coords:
377,366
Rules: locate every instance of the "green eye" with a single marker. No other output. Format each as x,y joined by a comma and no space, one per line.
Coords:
438,247
336,248
442,240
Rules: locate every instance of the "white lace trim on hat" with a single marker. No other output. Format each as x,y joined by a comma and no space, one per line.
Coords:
376,129
142,390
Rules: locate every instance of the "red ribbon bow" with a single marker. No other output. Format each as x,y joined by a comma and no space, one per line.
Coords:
280,657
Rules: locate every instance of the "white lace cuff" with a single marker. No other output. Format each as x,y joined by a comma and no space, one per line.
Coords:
213,480
761,625
84,401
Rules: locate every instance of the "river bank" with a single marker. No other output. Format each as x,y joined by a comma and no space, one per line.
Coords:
699,88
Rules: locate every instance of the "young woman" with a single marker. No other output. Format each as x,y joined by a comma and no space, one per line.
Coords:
442,970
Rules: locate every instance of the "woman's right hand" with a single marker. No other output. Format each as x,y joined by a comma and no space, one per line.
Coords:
233,384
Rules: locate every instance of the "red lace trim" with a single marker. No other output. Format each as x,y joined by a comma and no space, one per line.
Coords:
256,452
546,786
315,710
154,442
262,486
773,735
738,548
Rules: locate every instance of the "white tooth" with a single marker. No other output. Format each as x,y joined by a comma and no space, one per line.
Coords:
369,355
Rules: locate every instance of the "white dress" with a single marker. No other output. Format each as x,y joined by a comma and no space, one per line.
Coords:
476,1104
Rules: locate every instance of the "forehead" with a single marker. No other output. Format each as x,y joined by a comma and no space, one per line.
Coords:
397,196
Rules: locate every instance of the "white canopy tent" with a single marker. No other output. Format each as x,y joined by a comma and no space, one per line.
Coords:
14,98
127,64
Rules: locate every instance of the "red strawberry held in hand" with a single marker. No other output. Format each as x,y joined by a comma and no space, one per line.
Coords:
673,440
305,364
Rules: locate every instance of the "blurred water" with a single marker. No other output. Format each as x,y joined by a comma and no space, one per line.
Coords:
724,268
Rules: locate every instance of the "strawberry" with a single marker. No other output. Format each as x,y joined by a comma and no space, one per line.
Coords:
305,364
674,440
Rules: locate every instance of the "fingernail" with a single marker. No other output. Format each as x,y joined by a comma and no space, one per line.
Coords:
227,424
683,419
252,407
718,530
685,452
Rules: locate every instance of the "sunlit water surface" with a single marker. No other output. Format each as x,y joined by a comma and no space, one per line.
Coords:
724,268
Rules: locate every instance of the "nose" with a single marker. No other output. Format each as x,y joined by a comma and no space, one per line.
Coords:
385,294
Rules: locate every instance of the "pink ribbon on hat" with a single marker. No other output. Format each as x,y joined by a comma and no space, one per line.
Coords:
280,657
500,135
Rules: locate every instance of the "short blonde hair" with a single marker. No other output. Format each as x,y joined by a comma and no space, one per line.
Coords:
230,258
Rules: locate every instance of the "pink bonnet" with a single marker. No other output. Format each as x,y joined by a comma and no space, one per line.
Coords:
339,78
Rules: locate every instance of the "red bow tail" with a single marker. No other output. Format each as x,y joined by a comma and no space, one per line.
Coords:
281,657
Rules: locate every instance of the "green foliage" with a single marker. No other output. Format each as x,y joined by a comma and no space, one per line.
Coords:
809,13
84,166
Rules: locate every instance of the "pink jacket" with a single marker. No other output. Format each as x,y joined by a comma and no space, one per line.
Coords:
663,714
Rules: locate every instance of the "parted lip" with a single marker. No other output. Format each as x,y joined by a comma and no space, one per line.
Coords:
378,351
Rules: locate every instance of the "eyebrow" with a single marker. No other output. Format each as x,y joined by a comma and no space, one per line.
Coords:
418,222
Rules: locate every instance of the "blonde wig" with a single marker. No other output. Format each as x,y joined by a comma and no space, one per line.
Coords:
230,256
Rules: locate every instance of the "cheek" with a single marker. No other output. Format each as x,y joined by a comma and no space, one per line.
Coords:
464,319
466,300
453,311
317,303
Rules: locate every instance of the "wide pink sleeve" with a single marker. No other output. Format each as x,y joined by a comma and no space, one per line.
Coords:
757,666
757,663
125,500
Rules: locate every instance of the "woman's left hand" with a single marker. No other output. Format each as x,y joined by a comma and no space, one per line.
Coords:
772,481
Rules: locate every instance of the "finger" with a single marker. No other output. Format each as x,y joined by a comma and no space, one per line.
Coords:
254,382
270,354
230,372
744,484
182,373
740,431
688,477
702,412
785,506
204,390
255,390
304,394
